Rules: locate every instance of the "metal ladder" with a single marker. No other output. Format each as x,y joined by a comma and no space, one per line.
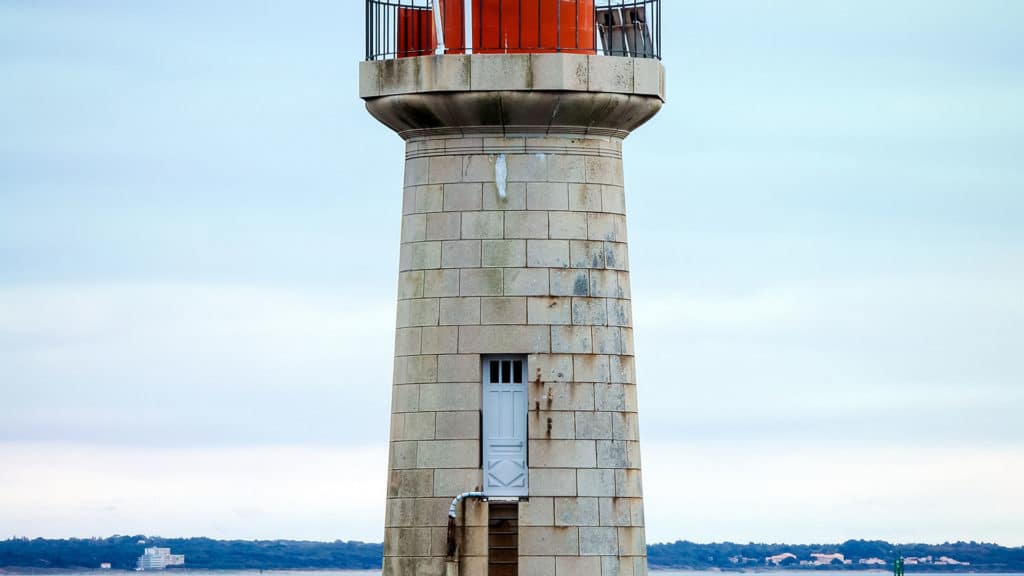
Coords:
503,539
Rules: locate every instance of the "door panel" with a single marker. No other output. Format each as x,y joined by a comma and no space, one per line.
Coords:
504,426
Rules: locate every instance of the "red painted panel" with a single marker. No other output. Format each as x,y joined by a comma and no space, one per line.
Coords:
502,26
415,31
518,26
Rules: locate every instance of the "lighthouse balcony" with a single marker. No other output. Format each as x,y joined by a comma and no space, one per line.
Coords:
409,28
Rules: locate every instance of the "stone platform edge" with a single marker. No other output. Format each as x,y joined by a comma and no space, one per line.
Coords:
517,72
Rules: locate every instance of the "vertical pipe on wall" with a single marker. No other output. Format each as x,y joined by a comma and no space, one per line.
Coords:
438,27
467,25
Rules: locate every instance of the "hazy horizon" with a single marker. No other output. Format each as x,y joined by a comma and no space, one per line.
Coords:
199,231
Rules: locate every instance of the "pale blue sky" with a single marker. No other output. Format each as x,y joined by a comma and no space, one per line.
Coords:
199,244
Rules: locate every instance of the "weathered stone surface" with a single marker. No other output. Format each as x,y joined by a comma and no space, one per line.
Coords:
589,311
503,339
411,483
429,198
549,310
450,482
526,282
594,426
556,72
547,253
611,74
480,282
462,197
457,425
482,225
576,512
527,224
615,511
608,227
615,397
414,228
460,311
613,199
548,541
596,482
547,368
531,168
505,310
444,170
562,396
631,541
625,426
501,72
515,197
577,566
562,453
598,541
440,340
460,254
537,565
442,226
543,195
647,77
542,272
570,282
619,313
407,341
450,396
565,72
628,484
458,368
440,283
448,454
504,253
405,398
402,455
585,197
571,339
537,512
369,79
553,482
415,369
544,425
568,225
425,255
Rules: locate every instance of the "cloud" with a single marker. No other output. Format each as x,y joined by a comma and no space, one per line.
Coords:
301,492
173,363
829,494
692,491
915,359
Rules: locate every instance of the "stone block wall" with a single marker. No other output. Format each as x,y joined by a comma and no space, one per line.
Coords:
542,272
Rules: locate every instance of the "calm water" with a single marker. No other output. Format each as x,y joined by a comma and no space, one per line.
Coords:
377,573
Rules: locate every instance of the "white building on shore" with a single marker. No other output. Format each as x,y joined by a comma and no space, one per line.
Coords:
159,558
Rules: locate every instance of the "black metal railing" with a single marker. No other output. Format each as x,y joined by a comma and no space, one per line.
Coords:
404,28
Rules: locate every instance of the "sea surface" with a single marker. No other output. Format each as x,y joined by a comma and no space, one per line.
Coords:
378,573
179,572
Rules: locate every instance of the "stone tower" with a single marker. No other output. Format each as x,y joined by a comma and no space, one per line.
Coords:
514,371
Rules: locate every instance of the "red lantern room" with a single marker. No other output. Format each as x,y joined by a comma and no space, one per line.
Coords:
403,28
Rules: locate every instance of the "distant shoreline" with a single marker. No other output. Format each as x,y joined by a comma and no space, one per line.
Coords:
121,553
18,571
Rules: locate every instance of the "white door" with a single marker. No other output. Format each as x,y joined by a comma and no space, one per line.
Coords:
504,426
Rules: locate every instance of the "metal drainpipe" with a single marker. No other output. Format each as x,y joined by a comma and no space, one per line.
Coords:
438,29
452,558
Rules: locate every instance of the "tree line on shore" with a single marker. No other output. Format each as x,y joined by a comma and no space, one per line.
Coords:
975,556
121,553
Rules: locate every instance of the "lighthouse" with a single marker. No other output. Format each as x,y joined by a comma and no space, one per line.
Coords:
514,445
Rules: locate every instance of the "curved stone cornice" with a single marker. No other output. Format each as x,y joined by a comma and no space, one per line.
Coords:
513,94
504,113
